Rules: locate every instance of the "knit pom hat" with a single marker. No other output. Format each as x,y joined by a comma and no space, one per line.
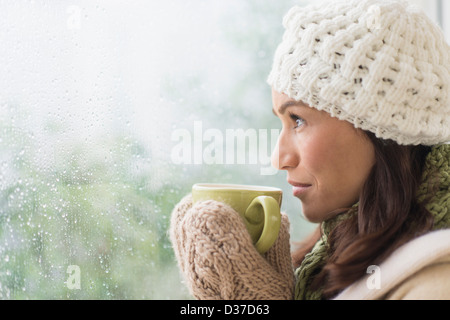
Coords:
381,65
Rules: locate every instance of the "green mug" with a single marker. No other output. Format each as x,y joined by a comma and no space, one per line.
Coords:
258,206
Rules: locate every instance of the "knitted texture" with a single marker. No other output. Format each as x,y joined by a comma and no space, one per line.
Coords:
218,260
314,261
435,183
381,65
310,267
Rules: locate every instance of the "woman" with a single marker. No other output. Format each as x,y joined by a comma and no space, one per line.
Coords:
362,91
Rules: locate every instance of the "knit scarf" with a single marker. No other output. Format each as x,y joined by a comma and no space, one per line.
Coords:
437,163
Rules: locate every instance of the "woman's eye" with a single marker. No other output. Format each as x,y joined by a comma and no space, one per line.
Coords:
298,120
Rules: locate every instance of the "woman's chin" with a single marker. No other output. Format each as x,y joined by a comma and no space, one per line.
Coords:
310,214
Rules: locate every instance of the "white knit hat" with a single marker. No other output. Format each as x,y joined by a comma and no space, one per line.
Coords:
381,65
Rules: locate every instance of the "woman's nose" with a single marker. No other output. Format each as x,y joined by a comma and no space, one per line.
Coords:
285,155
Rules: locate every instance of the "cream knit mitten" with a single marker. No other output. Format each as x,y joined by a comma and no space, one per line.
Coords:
218,260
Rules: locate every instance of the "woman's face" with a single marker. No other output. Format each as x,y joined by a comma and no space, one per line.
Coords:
327,160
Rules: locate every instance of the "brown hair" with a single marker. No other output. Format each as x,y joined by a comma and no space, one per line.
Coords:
388,216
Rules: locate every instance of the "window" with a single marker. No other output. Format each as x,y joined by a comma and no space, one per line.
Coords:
95,98
92,96
444,17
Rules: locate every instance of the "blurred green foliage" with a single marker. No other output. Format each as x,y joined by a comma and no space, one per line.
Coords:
100,202
98,214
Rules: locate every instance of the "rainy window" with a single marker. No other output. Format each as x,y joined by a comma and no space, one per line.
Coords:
109,112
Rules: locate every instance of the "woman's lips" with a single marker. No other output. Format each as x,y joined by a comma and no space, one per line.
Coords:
299,188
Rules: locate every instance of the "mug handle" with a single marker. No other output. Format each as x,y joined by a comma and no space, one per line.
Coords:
271,221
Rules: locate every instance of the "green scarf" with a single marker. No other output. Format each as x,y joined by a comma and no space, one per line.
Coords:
437,162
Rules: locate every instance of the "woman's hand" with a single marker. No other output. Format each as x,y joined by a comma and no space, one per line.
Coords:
218,260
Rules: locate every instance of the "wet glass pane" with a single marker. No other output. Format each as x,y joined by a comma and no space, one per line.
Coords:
109,112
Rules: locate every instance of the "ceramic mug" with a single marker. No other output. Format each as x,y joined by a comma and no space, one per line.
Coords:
258,206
